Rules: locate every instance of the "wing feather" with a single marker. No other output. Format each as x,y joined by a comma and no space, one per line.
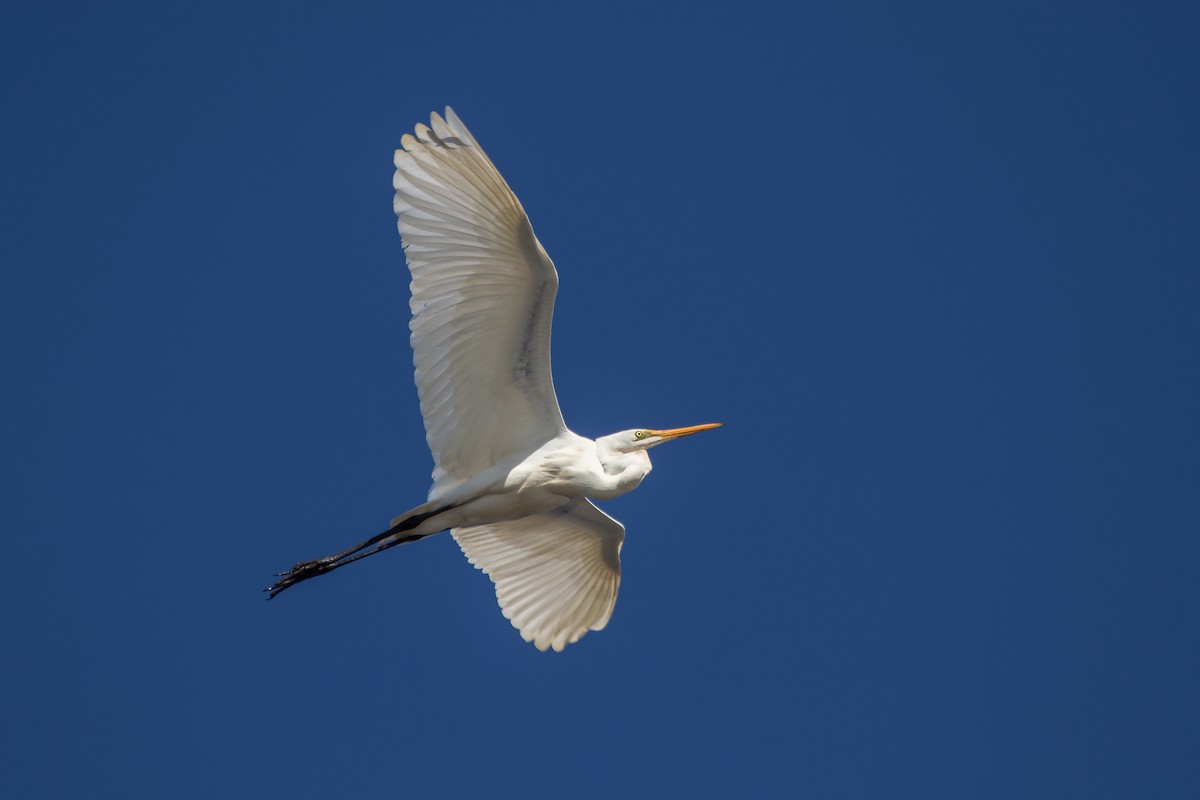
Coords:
483,293
556,574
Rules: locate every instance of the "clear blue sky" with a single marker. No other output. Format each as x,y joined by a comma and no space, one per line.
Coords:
935,265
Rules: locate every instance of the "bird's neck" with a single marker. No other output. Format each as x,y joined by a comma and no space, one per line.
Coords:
623,471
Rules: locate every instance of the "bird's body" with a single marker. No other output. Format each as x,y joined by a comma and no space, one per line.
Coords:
511,482
565,469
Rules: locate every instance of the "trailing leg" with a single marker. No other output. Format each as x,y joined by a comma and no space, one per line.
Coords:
389,538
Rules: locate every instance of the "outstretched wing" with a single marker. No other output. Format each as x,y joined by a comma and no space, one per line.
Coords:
556,574
482,299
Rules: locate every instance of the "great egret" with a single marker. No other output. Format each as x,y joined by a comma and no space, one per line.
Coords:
510,481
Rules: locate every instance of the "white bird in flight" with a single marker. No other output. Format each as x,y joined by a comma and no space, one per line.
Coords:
511,483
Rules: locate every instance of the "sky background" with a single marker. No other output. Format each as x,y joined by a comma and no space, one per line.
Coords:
936,265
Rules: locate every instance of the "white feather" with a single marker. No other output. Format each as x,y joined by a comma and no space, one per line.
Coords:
483,294
556,574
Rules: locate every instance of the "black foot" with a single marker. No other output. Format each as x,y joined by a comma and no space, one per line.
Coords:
301,572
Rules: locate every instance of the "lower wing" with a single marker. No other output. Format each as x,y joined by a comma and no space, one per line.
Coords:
556,574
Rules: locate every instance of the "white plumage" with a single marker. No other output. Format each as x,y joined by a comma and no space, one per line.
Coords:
482,301
510,481
556,574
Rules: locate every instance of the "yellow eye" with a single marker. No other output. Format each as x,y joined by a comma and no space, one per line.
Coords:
640,434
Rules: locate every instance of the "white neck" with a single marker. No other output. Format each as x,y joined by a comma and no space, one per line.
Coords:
624,471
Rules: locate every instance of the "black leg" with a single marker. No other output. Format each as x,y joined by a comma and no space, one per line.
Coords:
311,569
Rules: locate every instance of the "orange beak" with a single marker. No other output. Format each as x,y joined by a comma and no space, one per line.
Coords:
675,433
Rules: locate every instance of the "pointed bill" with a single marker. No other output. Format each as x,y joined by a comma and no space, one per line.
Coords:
675,433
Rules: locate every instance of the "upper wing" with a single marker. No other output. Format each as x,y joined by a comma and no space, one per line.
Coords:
482,299
556,574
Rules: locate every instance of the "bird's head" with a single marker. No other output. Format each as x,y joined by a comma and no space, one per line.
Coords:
644,438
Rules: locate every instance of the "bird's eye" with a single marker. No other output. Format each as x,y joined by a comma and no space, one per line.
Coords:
639,434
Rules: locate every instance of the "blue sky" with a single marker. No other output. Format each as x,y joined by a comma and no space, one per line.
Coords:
935,265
